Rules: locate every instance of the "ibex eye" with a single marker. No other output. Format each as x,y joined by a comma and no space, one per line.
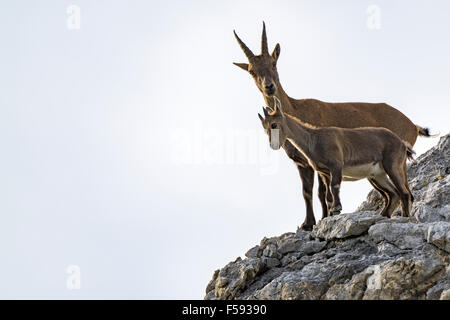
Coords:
273,126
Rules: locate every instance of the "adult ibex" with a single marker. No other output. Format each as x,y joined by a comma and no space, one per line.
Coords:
263,69
337,153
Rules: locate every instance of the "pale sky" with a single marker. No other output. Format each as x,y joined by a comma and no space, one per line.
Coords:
131,146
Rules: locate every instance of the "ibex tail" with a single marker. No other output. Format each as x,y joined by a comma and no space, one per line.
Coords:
409,151
425,132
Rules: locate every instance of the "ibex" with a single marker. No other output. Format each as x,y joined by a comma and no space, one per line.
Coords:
263,69
337,153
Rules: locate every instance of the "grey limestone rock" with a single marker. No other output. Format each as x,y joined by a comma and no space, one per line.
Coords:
359,255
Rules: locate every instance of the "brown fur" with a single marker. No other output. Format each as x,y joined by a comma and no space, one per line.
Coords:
263,69
332,151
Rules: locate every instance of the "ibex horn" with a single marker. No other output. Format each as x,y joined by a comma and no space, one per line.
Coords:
264,47
244,48
277,103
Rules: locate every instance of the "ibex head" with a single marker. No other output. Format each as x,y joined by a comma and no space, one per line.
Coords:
272,123
263,68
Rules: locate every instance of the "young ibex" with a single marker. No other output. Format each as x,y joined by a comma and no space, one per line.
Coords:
263,69
352,154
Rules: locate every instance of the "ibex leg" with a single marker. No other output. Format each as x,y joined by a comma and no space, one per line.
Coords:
307,177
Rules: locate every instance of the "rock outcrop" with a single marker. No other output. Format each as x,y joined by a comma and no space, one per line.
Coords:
359,255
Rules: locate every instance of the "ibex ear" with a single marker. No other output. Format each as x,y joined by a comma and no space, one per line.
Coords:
261,118
243,66
276,52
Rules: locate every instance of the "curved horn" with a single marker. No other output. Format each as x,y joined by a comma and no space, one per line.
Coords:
268,111
264,47
277,105
244,48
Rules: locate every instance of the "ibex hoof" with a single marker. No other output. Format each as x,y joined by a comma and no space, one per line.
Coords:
336,210
306,227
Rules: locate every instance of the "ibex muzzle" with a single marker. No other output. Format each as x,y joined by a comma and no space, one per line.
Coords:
275,139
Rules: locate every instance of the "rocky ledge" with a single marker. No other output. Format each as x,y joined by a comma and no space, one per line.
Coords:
359,255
